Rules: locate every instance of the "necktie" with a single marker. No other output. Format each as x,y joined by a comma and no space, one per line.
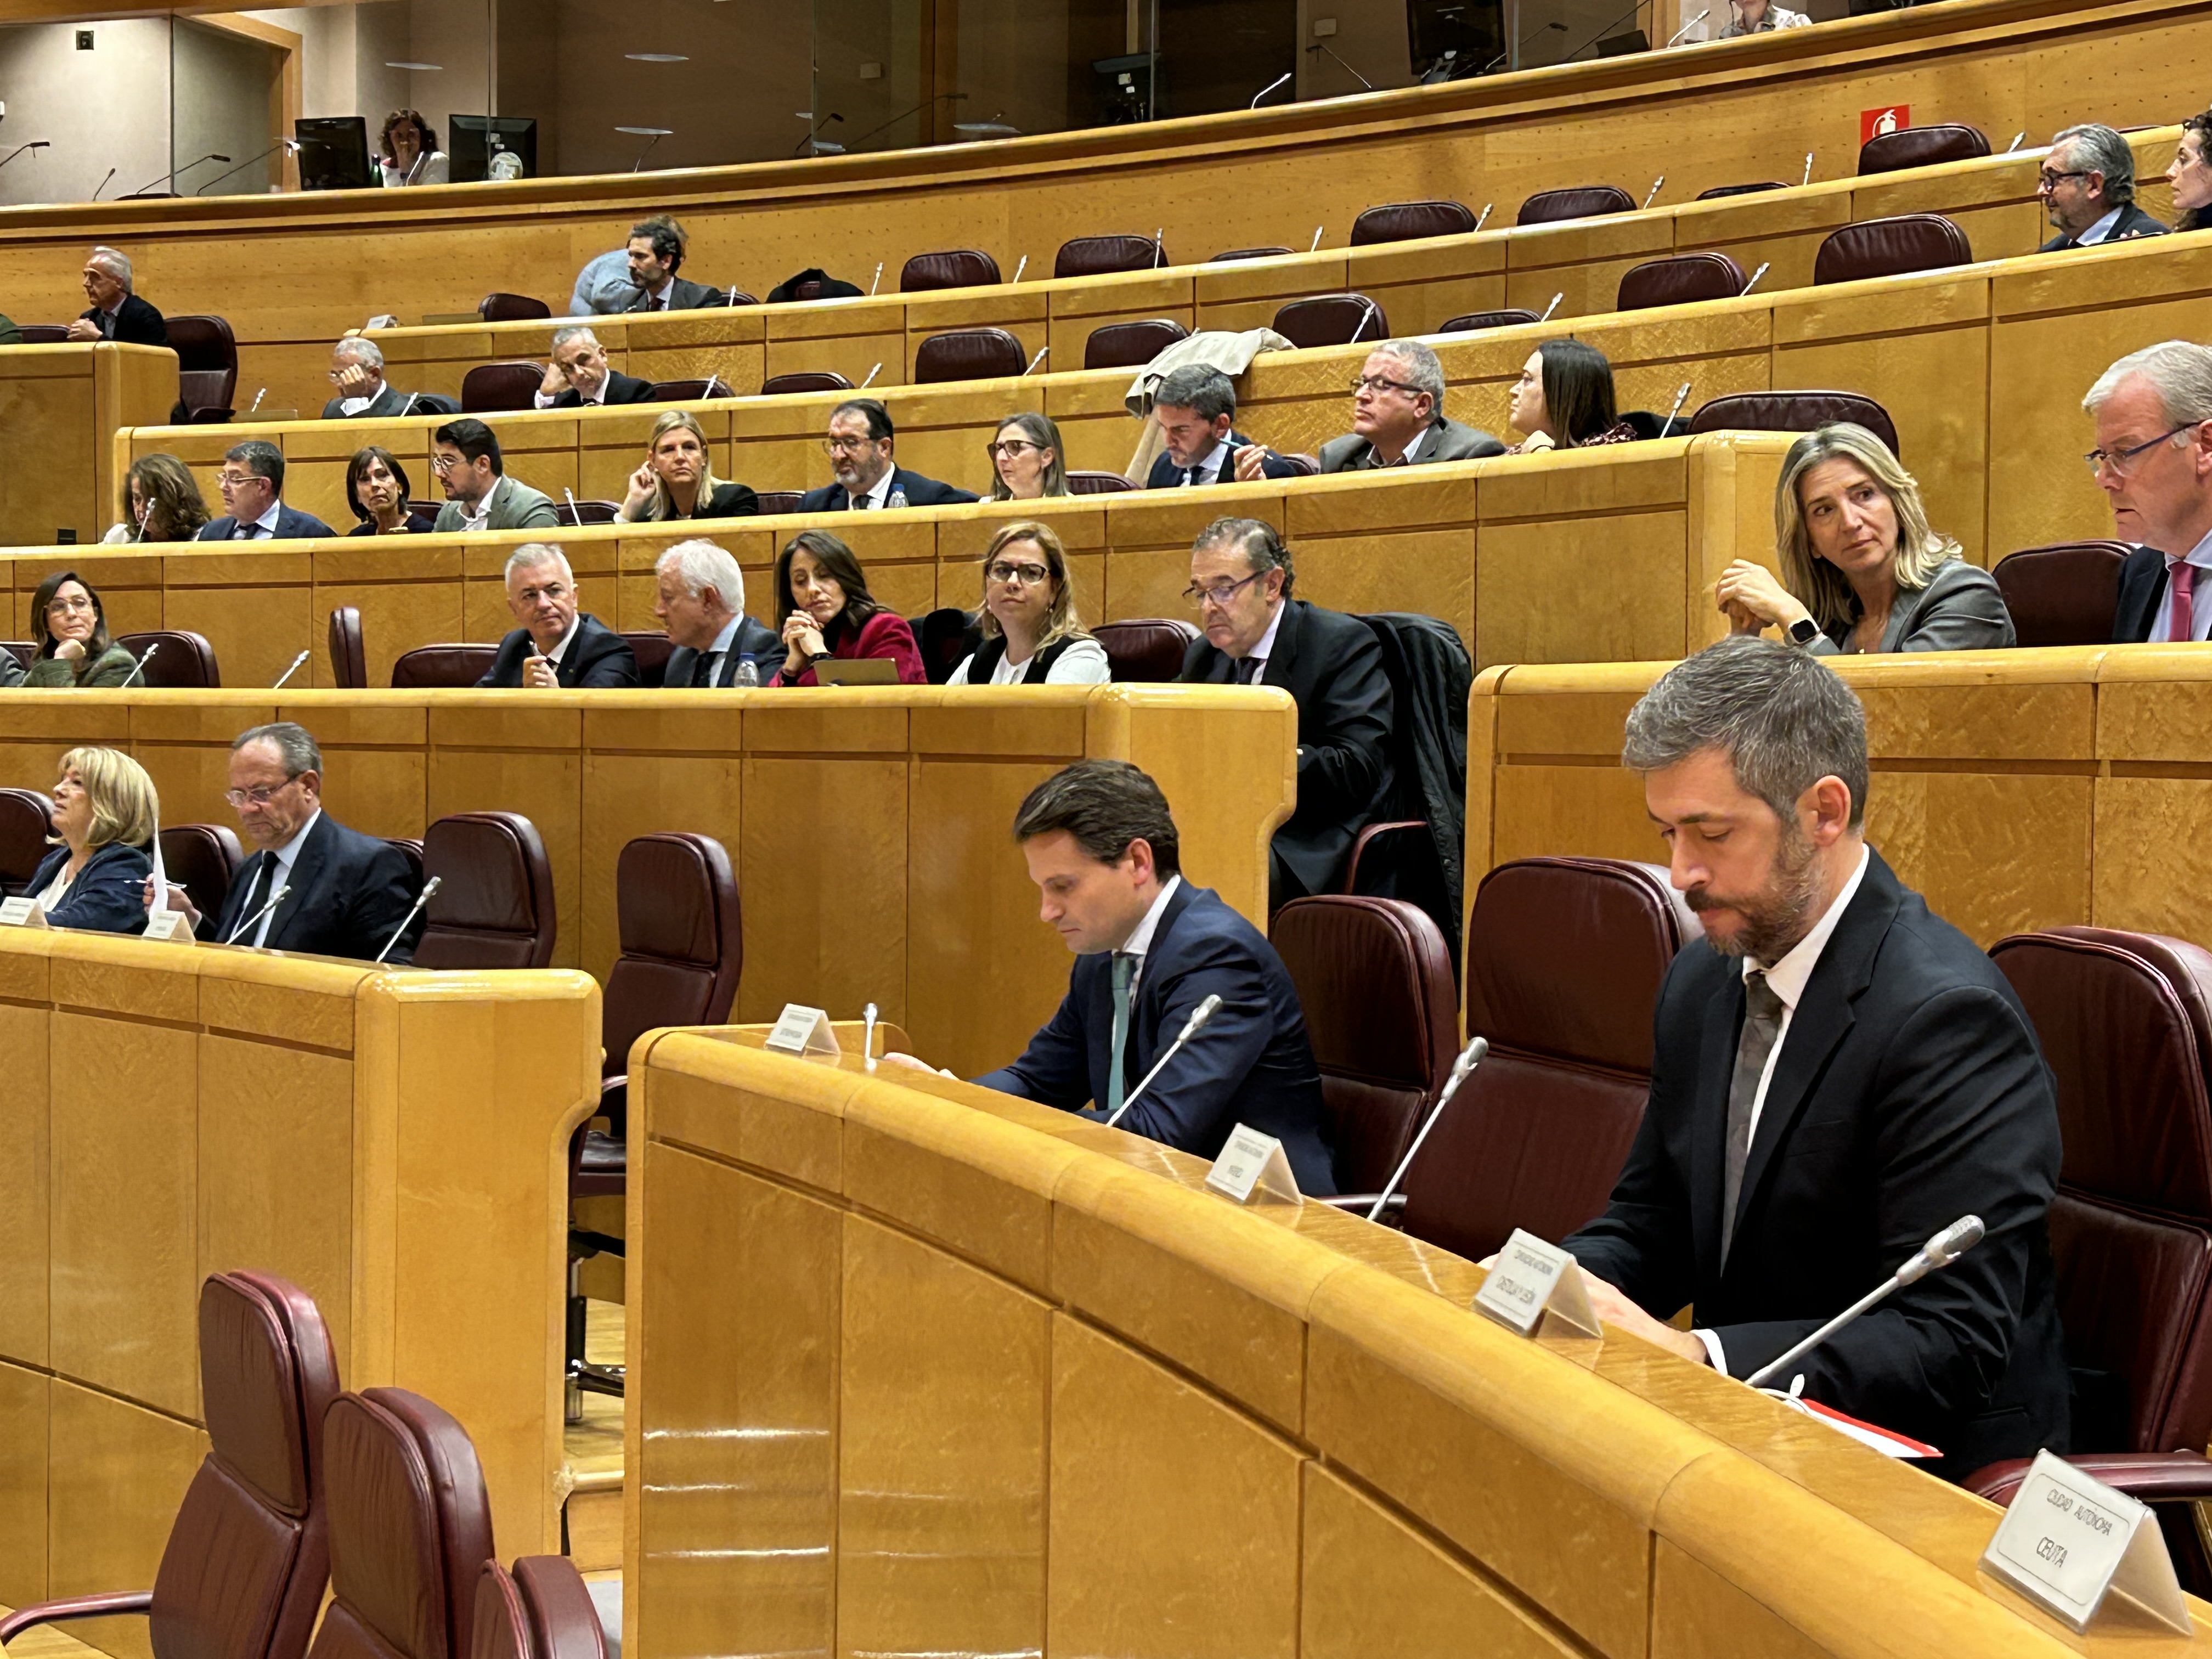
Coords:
2182,626
1762,1024
1247,667
702,671
1124,970
1189,476
257,893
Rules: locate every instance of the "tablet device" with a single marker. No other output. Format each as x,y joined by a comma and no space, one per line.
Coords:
856,670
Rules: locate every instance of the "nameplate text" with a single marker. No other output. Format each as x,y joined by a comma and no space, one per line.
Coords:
1532,1280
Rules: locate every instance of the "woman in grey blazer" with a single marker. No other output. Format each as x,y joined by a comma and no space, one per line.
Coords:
1860,569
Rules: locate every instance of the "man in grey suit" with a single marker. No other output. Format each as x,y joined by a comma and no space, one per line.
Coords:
1398,415
479,495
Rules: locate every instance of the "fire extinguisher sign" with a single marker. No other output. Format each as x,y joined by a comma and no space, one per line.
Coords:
1891,117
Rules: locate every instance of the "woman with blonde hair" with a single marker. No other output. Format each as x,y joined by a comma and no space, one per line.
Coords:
1025,460
1032,633
1860,569
105,814
678,481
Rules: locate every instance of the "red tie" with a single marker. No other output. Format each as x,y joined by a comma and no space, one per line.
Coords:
2181,626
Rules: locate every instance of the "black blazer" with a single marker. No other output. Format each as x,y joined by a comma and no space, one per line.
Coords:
2143,596
599,658
2132,223
419,523
292,525
1166,475
348,893
105,897
1909,1091
754,639
1332,664
1251,1065
729,501
683,294
918,492
137,322
621,389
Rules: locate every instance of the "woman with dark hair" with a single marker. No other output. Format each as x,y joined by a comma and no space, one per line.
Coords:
824,609
160,502
378,491
1025,460
104,816
2190,175
73,647
1564,400
407,152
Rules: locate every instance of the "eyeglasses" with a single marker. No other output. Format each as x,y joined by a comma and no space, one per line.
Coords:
1220,593
1012,449
444,464
1028,575
2123,461
846,445
260,795
2047,180
235,478
53,605
1381,382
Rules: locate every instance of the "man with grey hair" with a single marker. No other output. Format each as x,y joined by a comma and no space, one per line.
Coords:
2087,184
578,377
1195,408
357,372
700,598
2154,462
557,646
1838,1075
1398,415
118,314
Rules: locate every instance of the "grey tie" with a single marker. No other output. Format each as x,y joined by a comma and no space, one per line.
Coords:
1762,1024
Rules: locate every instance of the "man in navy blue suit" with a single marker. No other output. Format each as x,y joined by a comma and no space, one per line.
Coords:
253,485
1150,947
860,445
1195,408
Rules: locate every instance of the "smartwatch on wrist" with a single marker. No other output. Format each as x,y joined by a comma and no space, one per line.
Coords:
1804,631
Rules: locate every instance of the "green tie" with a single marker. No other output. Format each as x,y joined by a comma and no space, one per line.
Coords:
1125,970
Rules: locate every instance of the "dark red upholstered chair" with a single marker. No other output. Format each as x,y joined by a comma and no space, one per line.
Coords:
598,512
490,388
1891,247
207,368
809,379
201,859
1475,320
652,649
945,637
1408,222
410,1529
1795,411
959,267
1382,1009
1719,191
1564,960
1236,253
1549,207
429,667
1921,147
25,820
2063,594
542,1610
348,651
44,333
25,652
512,308
1682,280
186,660
968,354
780,500
1085,482
412,852
1145,651
1131,345
1328,320
494,906
243,1573
691,392
1096,256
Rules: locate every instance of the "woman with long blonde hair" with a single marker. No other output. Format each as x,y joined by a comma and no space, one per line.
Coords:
1032,634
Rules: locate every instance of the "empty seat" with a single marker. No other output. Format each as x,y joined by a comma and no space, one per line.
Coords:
1921,147
1475,320
1682,280
1088,482
1891,247
207,368
688,391
349,653
1131,345
1147,650
968,353
201,859
512,308
542,1610
1719,191
810,380
959,267
494,906
1795,411
2063,594
583,512
1095,256
1249,253
1407,221
412,852
1548,207
186,660
652,648
780,501
490,388
25,820
1328,320
945,637
430,667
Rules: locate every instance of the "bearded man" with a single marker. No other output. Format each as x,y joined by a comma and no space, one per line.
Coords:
1838,1075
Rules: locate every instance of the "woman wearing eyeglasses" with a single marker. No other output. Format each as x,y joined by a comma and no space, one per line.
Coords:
74,648
1032,633
824,611
104,816
1025,460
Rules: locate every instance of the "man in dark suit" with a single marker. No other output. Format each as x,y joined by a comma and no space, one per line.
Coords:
1101,848
117,313
656,252
2153,460
556,645
253,485
357,371
700,598
860,445
1398,415
1838,1075
579,377
2087,184
1255,634
1195,410
347,893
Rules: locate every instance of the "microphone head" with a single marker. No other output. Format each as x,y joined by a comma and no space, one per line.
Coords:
1469,1058
430,887
1199,1015
1954,1241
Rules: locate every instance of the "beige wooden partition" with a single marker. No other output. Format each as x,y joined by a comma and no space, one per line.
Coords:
394,1143
60,408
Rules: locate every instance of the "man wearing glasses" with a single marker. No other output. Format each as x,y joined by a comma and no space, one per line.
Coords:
1398,415
859,447
2154,462
2088,185
252,483
1255,634
479,495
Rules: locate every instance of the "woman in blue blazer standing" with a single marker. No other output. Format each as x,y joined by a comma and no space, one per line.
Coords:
105,816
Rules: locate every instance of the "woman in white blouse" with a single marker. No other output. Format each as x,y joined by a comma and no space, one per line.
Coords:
1031,634
408,152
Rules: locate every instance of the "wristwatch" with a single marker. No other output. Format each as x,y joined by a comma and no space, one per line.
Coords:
1804,631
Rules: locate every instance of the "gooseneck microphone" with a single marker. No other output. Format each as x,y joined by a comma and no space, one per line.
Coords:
1269,88
105,183
1687,27
1603,33
140,668
1540,29
248,924
175,174
1940,1251
1199,1016
292,670
1469,1058
35,144
406,921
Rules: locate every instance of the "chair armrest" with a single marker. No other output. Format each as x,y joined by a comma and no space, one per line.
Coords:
2152,1477
1374,832
614,1105
73,1607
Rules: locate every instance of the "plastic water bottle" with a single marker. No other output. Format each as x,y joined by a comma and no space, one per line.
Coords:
897,499
748,675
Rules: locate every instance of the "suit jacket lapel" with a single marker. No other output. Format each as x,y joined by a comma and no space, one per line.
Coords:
306,876
576,658
1723,1030
1146,1040
1286,667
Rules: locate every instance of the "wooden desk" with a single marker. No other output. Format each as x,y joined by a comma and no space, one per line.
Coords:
61,407
915,1367
395,1143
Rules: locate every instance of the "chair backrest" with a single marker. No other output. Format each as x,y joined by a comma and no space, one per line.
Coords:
807,379
2125,1025
2063,594
1145,650
201,858
652,648
412,852
968,353
1382,1009
1474,320
728,294
1682,280
410,1529
542,1610
207,362
250,1554
683,942
1564,960
1406,221
349,653
1086,483
44,333
945,636
582,513
958,267
1720,191
690,391
1795,411
1131,345
494,906
432,667
512,308
1094,256
780,501
26,819
1548,207
489,387
1921,147
186,660
25,652
1891,247
1248,253
1330,319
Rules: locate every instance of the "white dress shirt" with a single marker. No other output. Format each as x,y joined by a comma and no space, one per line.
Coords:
1084,663
357,406
590,399
560,647
1210,468
2101,229
264,525
286,856
2200,625
1266,649
57,887
1140,939
877,496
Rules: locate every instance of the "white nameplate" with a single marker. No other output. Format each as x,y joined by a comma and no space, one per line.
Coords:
803,1031
22,913
1250,1162
2069,1538
1532,1281
170,925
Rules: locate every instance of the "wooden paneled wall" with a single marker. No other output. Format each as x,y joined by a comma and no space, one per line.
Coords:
60,408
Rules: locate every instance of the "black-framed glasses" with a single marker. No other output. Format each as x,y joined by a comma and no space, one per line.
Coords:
2122,461
1012,449
1220,593
2047,180
1028,575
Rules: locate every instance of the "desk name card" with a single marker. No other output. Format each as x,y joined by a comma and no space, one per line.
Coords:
1250,1162
2069,1540
1532,1281
22,913
803,1031
170,926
